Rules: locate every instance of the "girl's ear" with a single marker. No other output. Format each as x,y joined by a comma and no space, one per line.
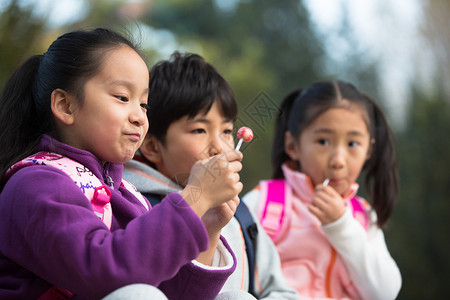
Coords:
62,105
151,149
290,146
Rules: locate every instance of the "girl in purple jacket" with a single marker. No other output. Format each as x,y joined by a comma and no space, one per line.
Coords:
85,100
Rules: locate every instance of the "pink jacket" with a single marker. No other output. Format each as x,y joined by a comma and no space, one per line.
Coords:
330,262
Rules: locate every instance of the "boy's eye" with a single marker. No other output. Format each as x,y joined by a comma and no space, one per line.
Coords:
198,130
323,142
353,144
122,98
228,131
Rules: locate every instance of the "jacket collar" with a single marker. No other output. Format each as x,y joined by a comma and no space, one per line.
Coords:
148,180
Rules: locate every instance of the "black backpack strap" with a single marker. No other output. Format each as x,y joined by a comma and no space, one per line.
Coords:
154,199
250,232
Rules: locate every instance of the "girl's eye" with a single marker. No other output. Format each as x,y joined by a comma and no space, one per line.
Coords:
198,130
323,142
122,98
144,106
228,131
353,144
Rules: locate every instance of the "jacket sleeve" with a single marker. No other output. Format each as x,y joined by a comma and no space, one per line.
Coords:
48,227
195,281
372,269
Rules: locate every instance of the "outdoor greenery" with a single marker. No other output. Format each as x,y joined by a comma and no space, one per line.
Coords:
265,49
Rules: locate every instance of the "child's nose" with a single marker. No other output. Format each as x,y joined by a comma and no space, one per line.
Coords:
337,159
138,116
216,145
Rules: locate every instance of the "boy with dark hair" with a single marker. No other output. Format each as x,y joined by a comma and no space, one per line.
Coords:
192,111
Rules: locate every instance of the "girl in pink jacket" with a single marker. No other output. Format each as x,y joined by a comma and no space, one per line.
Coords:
330,241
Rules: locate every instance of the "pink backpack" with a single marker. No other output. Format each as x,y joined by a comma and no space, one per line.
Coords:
97,193
275,205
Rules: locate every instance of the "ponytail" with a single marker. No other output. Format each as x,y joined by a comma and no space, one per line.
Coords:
279,155
381,169
20,127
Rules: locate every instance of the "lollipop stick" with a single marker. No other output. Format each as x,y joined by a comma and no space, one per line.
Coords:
326,181
238,146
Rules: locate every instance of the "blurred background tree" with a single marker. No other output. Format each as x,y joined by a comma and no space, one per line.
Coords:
267,48
418,232
19,35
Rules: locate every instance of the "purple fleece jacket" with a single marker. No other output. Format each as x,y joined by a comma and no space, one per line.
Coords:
49,236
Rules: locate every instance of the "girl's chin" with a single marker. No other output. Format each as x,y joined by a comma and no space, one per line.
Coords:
122,160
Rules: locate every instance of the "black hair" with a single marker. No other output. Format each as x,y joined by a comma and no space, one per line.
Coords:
25,112
302,106
185,85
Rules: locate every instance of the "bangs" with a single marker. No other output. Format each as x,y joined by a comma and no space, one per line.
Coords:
226,103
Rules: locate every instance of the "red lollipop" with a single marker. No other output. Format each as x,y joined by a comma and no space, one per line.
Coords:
244,134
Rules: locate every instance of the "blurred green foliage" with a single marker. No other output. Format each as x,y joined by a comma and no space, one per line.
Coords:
265,49
20,32
417,236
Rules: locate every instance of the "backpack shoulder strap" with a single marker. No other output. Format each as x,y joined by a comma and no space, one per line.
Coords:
132,189
98,194
250,233
359,212
274,205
